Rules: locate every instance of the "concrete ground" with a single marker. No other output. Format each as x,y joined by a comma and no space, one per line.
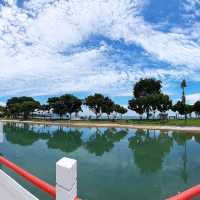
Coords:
11,190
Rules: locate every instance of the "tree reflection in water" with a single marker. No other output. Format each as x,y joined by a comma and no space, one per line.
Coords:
101,142
181,139
68,141
20,135
149,150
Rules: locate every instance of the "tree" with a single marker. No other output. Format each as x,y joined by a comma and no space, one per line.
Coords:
189,110
183,86
146,87
95,103
3,111
147,94
65,104
196,108
57,105
182,108
21,105
29,106
179,107
72,104
137,105
120,109
164,103
107,106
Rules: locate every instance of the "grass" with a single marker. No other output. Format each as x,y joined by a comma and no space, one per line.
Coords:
171,122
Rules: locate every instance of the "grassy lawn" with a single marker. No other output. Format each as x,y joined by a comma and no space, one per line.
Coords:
173,122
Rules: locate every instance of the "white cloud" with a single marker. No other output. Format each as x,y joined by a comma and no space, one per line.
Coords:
192,98
192,8
31,39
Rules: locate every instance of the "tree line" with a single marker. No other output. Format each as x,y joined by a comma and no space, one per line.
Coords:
148,99
64,105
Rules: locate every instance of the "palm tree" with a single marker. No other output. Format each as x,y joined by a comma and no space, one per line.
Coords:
183,86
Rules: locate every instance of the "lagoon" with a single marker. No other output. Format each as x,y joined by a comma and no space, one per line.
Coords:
113,163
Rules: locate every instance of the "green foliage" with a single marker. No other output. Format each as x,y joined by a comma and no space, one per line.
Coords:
196,108
57,105
107,106
65,104
3,111
95,103
137,105
146,87
100,104
182,108
120,109
183,86
21,105
72,103
163,103
148,98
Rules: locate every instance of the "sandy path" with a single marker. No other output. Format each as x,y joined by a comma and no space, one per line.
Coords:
111,125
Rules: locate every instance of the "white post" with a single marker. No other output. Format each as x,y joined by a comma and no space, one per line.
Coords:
1,133
66,179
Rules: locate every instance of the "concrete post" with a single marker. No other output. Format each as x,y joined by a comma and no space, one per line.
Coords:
66,179
1,132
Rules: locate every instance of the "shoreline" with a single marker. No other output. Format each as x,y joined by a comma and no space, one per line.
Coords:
87,124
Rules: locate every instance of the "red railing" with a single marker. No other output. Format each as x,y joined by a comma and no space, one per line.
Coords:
42,185
188,194
45,187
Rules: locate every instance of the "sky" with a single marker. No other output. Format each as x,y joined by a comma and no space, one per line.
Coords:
52,47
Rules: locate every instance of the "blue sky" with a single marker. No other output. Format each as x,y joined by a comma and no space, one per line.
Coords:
52,47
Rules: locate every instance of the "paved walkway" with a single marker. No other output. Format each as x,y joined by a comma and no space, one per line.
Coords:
11,190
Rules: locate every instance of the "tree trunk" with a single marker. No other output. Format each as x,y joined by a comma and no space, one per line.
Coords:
185,116
147,114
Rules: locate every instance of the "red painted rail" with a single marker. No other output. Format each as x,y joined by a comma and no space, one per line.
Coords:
45,187
188,194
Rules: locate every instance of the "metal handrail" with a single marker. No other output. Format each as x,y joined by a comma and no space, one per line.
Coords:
188,194
42,185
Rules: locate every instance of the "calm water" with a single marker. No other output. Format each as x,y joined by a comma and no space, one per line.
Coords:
112,163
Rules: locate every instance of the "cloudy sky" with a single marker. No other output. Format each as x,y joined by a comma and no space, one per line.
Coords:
51,47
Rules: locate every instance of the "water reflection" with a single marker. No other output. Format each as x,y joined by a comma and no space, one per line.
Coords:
65,141
181,140
161,162
101,142
20,135
150,149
